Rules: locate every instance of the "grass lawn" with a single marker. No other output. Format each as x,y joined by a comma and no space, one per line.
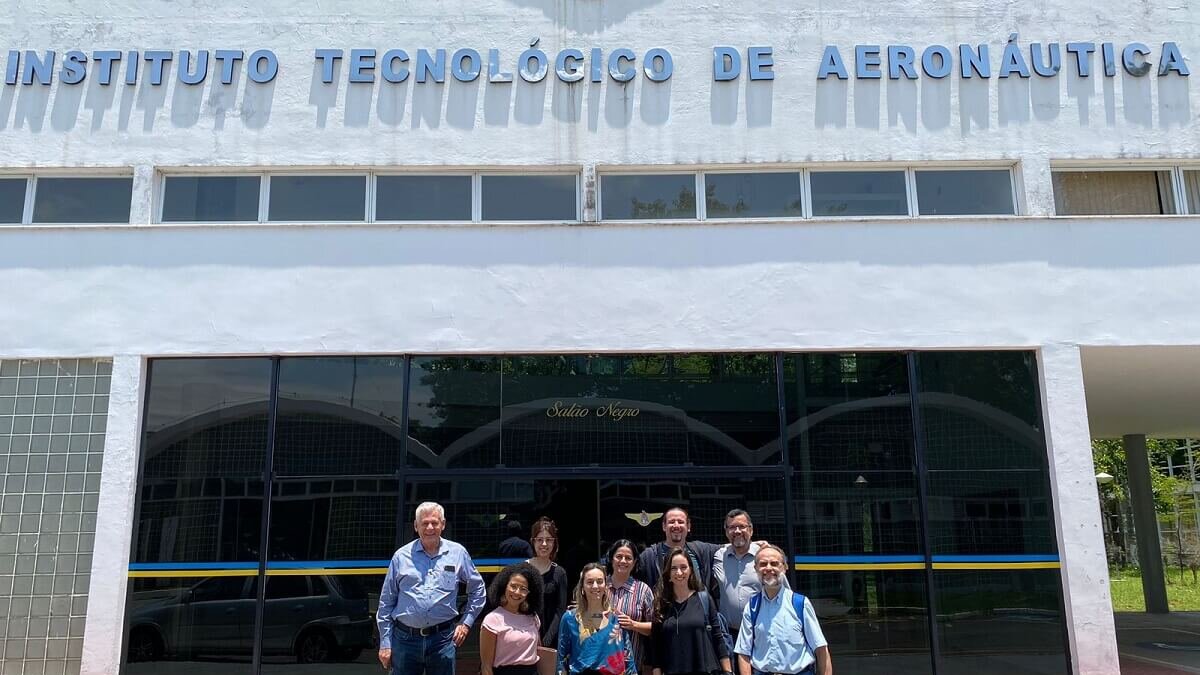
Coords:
1183,594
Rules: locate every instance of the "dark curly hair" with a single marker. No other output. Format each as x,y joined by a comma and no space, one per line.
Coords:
612,550
533,601
664,593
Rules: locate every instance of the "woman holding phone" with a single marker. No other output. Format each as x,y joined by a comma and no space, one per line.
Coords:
508,643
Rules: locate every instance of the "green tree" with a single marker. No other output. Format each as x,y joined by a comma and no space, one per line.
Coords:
1109,457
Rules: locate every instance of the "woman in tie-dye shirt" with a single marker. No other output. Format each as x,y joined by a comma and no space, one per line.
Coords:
590,639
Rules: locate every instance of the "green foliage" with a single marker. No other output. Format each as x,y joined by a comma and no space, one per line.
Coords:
1183,591
1109,457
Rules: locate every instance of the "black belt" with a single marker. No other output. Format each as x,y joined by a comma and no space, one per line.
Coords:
428,630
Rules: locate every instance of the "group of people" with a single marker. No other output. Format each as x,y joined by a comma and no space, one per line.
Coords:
678,607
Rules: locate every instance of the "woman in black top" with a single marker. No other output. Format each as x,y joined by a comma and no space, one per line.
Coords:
686,636
544,538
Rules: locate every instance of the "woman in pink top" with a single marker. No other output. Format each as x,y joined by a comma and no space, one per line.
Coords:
509,640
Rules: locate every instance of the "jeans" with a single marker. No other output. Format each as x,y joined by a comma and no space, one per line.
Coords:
416,655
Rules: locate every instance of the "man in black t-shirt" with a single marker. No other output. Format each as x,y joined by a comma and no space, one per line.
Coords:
676,528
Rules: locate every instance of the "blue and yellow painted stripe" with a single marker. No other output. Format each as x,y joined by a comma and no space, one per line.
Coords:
917,562
279,568
827,563
997,562
195,569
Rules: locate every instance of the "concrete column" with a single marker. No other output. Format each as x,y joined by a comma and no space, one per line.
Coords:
1088,603
1145,523
103,634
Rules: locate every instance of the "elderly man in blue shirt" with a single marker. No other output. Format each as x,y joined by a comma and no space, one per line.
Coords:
420,628
779,632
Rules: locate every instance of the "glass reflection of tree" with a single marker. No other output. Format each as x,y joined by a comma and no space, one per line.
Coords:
683,205
715,208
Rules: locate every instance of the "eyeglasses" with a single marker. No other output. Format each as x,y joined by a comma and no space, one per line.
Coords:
543,540
738,528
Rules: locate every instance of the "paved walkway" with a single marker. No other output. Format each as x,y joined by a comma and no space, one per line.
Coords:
1159,644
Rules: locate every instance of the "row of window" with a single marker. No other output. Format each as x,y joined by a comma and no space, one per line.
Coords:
554,197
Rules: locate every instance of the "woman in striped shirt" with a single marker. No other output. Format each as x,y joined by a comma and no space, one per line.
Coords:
632,600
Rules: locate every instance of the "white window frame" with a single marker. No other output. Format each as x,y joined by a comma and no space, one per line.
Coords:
702,193
698,186
27,205
1014,195
474,191
368,194
477,196
31,193
160,196
370,208
1178,197
909,189
1181,192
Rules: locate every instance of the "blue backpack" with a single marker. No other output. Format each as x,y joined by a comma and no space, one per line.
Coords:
756,604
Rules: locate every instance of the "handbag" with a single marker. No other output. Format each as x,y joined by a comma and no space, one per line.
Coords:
547,660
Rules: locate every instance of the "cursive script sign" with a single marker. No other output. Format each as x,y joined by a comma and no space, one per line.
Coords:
613,411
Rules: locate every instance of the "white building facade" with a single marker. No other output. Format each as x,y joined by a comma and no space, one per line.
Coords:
905,198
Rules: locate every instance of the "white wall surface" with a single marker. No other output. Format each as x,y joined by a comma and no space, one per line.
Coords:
817,285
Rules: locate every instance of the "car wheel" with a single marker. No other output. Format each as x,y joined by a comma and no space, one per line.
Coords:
315,646
145,645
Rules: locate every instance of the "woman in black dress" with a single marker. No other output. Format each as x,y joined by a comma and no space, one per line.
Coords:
544,538
686,637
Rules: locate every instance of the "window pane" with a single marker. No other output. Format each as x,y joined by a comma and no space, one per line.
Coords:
318,198
858,193
876,621
1191,188
205,444
998,622
529,197
1113,193
12,199
752,195
339,415
200,503
343,531
851,446
82,200
648,196
454,412
210,199
703,409
184,625
977,193
423,198
989,487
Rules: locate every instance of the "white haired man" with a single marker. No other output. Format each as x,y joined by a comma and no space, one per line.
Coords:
420,628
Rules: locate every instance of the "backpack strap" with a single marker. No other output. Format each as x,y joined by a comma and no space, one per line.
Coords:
755,605
706,605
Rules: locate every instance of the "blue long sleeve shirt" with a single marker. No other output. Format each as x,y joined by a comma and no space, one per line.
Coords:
421,590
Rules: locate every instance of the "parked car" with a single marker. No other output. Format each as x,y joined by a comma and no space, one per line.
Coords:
313,619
